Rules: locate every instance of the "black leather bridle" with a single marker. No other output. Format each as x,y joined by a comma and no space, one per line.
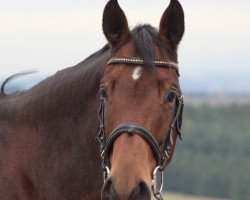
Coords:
162,153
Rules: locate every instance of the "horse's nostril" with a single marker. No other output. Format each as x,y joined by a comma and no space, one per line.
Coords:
108,191
141,192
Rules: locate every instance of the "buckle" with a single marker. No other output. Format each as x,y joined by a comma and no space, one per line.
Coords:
106,173
157,191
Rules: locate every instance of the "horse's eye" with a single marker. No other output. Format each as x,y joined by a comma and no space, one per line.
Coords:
103,93
170,97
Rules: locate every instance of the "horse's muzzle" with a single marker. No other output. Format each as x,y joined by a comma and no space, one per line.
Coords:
140,192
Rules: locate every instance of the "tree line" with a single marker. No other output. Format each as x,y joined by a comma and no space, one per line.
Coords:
214,157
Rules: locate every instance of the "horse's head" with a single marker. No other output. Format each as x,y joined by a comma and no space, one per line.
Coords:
141,102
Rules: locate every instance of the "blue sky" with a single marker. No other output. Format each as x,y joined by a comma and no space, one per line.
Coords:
51,35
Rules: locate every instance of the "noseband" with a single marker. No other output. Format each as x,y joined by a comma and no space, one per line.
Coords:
161,153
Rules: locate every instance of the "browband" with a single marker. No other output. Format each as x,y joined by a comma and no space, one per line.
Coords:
138,61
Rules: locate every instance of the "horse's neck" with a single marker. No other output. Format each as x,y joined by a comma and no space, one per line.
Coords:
69,93
56,121
71,90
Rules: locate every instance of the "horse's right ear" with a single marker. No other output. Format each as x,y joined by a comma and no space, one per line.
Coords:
114,23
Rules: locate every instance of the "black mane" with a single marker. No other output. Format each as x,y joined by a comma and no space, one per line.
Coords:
144,38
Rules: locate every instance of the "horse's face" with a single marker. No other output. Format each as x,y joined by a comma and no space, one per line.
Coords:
142,97
135,94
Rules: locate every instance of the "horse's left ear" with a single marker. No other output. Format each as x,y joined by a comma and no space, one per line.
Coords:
172,24
114,23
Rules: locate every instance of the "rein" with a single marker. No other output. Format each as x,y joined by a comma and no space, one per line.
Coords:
162,153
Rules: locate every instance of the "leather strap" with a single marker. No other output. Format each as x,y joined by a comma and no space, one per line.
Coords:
132,128
138,61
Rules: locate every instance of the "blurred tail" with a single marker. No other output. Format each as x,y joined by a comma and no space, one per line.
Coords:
2,93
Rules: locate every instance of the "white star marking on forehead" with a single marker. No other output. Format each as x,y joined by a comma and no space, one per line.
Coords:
137,73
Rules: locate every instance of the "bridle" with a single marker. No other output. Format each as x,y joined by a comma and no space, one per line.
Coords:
162,153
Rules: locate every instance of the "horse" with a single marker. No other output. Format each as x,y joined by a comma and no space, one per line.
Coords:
126,96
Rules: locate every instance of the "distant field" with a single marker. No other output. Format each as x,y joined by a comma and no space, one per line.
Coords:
174,196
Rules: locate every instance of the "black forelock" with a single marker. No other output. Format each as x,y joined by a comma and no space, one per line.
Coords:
144,37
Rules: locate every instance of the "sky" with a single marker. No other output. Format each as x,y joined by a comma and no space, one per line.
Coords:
52,35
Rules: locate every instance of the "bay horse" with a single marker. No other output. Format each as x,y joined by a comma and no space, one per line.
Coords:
48,147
